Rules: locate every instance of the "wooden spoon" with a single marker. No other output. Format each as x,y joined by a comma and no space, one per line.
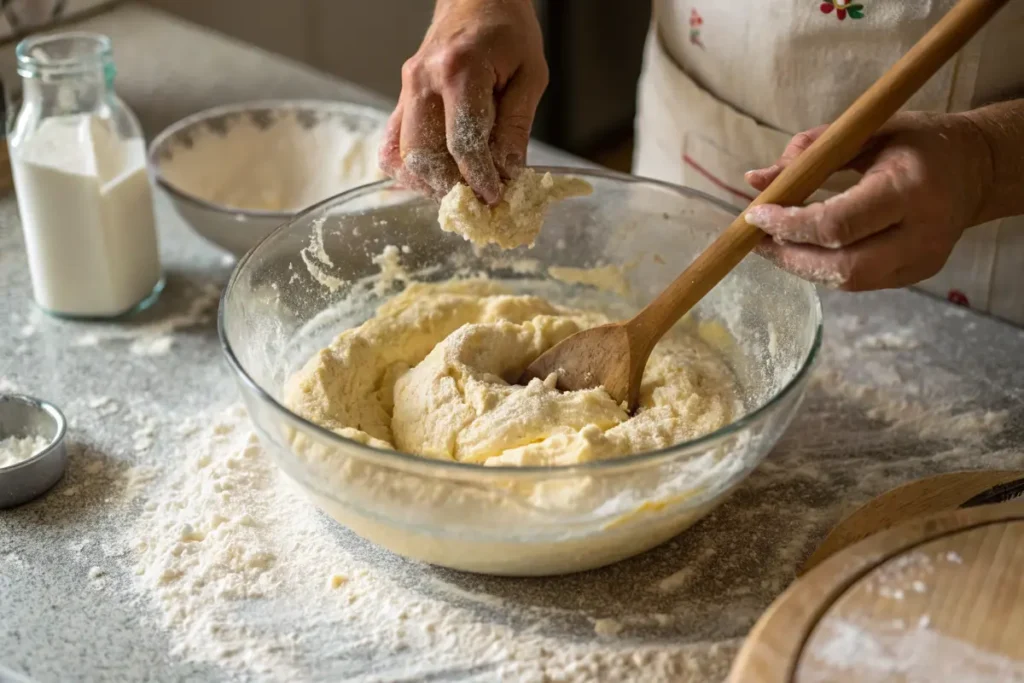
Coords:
614,356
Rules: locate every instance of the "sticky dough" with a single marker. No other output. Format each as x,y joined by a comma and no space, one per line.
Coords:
517,219
432,374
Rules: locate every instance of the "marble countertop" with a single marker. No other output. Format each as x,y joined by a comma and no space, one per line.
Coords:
907,386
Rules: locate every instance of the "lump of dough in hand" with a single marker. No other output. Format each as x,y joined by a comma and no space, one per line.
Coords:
517,218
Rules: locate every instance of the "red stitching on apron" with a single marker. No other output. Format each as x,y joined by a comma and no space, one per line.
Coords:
957,297
715,181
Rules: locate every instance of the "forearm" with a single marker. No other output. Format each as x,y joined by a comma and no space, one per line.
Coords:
1002,128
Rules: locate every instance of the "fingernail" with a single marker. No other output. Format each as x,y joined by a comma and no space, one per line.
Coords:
491,197
768,170
758,217
513,162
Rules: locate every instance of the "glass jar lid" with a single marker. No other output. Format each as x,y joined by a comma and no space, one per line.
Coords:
65,55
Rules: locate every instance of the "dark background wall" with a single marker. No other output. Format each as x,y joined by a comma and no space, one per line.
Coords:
594,47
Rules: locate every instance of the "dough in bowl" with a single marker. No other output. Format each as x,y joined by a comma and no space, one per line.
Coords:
433,373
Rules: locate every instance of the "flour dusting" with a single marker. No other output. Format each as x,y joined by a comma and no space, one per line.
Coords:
154,338
848,650
276,160
316,258
243,572
15,450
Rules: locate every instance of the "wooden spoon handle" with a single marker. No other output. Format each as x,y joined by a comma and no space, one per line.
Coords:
837,146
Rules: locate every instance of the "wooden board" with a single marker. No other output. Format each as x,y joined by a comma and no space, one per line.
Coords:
940,597
922,497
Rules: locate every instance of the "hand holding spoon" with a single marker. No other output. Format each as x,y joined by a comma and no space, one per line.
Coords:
614,356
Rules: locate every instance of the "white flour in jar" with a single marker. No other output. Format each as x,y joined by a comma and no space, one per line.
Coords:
87,213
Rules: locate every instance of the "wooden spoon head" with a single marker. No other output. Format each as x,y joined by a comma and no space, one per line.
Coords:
599,357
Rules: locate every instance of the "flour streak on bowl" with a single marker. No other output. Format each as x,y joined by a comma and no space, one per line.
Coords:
235,173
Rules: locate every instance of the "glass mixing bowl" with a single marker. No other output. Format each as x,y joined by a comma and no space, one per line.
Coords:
322,273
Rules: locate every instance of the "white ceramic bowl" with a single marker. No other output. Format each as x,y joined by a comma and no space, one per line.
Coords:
236,172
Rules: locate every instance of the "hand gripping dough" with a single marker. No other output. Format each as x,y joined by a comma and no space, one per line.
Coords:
517,219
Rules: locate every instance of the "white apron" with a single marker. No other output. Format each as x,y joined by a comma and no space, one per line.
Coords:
726,84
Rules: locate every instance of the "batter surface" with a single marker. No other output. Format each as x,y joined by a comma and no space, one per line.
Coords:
431,374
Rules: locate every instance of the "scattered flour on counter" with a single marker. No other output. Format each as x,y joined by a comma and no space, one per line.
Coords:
152,347
156,338
677,580
142,437
102,406
902,339
607,627
246,574
136,480
14,450
906,403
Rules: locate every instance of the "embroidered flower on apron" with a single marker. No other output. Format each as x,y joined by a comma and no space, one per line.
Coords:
842,8
696,20
957,297
711,107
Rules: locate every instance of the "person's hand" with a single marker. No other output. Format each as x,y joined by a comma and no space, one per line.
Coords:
923,184
468,99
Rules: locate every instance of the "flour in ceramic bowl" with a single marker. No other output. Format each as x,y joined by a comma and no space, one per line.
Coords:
284,166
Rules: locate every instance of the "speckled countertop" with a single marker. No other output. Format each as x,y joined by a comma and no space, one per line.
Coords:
907,386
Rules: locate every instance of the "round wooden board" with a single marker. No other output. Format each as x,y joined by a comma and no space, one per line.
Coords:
937,598
922,497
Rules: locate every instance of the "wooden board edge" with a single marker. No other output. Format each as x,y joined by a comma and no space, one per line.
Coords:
771,650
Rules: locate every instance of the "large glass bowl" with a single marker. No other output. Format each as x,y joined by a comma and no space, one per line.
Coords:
287,300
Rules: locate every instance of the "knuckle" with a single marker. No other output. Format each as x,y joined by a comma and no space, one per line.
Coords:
412,71
906,176
835,231
801,141
420,163
467,146
454,60
432,167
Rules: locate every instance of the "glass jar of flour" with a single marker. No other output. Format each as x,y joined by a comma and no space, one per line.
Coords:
79,164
